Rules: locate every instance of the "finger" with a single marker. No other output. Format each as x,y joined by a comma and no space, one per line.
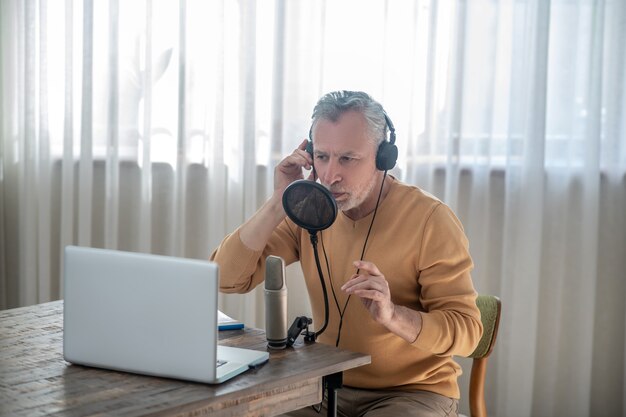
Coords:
367,286
370,295
365,282
354,280
303,147
298,158
369,267
302,153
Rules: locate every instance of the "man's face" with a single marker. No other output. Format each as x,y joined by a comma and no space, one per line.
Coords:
344,159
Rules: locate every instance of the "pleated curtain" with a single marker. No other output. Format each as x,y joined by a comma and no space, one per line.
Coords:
154,126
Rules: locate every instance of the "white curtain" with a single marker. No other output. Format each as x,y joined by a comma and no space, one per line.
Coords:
154,126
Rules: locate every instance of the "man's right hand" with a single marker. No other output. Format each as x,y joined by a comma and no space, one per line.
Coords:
257,230
290,168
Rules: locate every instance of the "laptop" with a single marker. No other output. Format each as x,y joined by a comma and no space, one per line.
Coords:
147,314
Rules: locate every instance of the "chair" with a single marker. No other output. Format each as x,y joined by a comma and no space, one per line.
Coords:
490,307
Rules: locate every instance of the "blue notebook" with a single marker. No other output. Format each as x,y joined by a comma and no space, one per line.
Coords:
225,322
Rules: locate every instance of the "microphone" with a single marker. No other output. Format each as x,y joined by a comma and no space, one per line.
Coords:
312,207
275,303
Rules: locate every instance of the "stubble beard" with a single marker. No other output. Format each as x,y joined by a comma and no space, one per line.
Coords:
358,196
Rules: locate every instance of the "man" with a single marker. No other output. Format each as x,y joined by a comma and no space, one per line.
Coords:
402,291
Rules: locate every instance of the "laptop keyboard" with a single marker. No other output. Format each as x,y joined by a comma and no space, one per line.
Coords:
219,363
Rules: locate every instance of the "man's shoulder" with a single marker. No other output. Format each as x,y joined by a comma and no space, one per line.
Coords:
412,194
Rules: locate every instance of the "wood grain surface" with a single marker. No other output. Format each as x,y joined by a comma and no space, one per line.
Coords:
35,379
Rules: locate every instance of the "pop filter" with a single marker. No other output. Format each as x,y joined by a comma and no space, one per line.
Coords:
312,207
309,205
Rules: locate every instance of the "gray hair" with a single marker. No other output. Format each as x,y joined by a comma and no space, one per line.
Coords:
332,105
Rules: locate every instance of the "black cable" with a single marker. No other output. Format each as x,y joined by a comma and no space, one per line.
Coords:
330,278
324,291
332,287
380,193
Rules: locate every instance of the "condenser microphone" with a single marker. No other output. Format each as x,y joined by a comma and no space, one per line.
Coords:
275,303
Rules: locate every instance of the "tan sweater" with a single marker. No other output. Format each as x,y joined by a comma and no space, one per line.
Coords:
419,245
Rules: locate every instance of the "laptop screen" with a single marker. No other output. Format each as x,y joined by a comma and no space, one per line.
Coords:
140,313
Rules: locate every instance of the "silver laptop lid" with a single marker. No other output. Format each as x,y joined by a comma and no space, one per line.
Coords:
148,314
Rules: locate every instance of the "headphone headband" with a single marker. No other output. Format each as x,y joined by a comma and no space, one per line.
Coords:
392,129
387,153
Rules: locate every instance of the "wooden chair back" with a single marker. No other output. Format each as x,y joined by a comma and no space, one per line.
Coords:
490,308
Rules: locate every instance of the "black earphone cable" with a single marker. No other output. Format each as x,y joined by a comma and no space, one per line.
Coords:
330,278
332,286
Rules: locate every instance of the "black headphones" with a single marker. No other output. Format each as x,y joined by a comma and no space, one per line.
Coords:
387,153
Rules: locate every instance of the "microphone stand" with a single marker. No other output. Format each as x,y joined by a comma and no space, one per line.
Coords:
335,381
298,199
324,291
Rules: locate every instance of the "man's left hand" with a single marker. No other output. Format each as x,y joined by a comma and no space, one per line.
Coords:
370,285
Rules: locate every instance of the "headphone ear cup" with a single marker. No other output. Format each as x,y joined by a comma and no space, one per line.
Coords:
309,147
386,156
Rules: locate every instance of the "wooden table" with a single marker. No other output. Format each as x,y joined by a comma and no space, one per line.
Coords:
35,380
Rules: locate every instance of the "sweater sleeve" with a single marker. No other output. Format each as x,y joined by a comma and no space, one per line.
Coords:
450,318
242,268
